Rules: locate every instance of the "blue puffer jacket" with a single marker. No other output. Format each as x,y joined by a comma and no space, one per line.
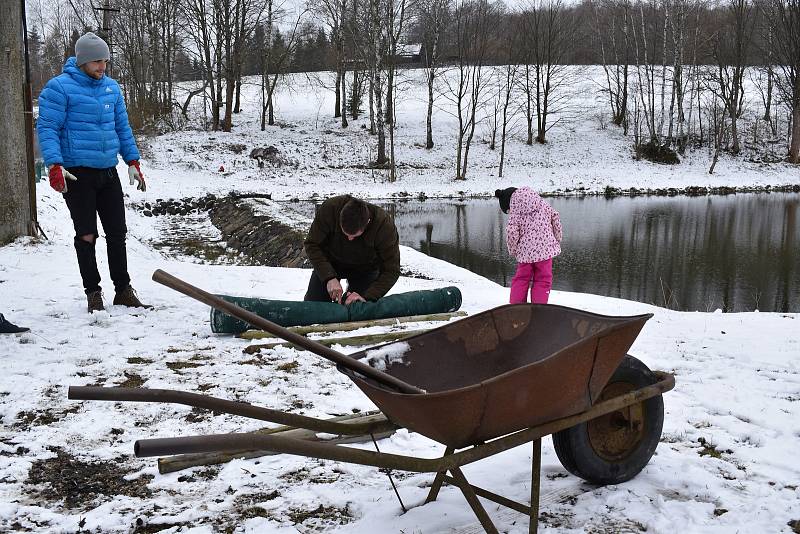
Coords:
83,122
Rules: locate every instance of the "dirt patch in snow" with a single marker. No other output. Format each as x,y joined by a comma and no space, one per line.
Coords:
78,483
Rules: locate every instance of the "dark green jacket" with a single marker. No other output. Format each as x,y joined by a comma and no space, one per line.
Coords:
378,248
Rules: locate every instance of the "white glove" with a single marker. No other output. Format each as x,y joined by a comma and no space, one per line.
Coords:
135,175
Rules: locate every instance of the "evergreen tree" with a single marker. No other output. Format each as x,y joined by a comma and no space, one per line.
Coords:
73,38
35,50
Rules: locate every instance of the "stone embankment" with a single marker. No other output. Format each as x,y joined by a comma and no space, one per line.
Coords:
257,238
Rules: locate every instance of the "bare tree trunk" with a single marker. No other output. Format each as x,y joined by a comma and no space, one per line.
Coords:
215,116
528,107
794,146
511,72
271,106
770,76
785,16
434,15
718,122
663,75
392,161
494,122
344,99
242,31
355,94
342,74
390,91
379,120
337,106
794,143
371,103
429,115
266,63
730,51
192,94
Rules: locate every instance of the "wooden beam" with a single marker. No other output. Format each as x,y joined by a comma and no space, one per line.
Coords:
355,325
370,339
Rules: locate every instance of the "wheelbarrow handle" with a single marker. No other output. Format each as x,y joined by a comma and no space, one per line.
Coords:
243,409
233,310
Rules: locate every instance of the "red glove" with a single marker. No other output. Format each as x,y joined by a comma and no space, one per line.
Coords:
135,175
57,175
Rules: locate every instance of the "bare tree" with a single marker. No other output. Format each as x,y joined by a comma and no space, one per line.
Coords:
647,34
201,23
678,27
730,52
785,15
334,15
717,113
472,21
395,19
766,86
275,60
376,32
359,77
238,20
433,18
551,30
145,56
507,112
507,84
612,22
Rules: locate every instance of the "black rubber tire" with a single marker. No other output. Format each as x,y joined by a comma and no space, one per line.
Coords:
582,458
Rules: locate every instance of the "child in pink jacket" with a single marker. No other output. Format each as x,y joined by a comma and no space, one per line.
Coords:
533,236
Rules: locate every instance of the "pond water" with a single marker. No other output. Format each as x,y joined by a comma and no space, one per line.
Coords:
736,252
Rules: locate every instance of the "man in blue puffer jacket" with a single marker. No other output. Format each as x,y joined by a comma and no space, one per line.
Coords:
82,126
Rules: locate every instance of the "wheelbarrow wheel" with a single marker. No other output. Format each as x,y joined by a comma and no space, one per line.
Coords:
615,447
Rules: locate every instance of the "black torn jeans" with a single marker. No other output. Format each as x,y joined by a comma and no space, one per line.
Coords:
98,192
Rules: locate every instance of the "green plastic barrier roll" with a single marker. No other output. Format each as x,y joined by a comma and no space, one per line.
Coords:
300,313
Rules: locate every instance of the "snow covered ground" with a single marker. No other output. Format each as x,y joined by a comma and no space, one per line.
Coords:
726,462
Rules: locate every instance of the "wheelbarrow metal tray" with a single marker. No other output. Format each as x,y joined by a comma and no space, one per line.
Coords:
505,369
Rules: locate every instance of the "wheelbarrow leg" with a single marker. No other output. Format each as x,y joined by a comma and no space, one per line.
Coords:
473,501
439,480
536,470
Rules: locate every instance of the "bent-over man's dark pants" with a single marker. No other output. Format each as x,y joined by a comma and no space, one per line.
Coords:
358,282
98,192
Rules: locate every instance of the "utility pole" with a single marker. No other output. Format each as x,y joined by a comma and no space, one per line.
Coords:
106,32
17,185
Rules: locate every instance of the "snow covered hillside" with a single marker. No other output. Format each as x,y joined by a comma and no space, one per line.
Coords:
320,157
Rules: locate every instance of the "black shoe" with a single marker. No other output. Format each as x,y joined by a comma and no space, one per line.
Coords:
10,328
95,301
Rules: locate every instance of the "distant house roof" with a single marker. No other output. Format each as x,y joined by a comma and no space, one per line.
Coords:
409,49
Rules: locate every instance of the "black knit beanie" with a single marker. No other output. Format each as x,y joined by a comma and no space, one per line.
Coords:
504,196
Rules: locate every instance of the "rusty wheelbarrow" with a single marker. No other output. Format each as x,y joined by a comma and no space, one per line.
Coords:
479,386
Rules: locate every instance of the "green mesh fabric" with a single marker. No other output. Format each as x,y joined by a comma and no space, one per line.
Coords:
299,313
446,299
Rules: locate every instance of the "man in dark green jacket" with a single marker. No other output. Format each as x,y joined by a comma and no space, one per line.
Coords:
356,240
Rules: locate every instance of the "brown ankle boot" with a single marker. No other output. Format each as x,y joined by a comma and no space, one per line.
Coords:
127,297
95,301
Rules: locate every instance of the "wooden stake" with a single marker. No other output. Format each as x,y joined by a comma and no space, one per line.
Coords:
371,339
354,325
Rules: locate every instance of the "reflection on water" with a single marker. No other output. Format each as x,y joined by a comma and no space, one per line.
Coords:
737,252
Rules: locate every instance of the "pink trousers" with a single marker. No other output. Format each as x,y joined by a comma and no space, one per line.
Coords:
540,273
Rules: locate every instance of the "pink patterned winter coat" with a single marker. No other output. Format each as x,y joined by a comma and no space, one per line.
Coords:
533,231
